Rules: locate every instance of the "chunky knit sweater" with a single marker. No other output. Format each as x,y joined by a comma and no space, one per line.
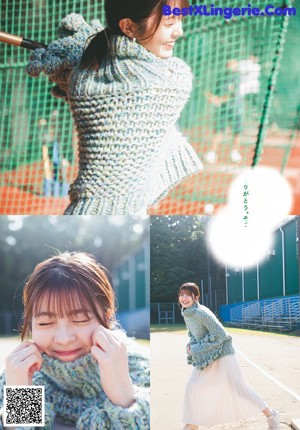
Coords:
130,151
209,341
73,394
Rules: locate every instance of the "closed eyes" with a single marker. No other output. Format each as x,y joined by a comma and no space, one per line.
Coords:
74,321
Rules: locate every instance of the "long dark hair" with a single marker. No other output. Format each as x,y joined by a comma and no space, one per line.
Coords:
137,10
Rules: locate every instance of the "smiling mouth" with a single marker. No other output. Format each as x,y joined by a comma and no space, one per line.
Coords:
67,353
169,44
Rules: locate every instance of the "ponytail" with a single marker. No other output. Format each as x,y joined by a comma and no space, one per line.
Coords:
138,11
96,50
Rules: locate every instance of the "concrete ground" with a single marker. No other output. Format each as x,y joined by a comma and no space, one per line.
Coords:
270,362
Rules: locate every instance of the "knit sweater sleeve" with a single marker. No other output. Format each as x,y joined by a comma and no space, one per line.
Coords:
63,54
192,339
215,336
180,160
137,416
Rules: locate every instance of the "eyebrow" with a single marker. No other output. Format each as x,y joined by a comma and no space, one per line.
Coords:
74,312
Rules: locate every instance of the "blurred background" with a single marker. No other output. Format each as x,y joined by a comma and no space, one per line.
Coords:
120,243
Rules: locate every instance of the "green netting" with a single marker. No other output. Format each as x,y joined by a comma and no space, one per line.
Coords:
235,65
261,124
38,156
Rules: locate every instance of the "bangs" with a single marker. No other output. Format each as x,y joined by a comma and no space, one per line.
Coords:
61,294
187,290
176,3
158,12
61,301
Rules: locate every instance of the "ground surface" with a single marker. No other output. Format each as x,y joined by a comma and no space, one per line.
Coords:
276,379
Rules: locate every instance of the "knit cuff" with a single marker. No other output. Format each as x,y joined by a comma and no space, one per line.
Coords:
200,361
136,417
203,356
62,55
209,342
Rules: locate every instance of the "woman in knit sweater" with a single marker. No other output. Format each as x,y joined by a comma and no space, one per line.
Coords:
94,377
216,392
126,93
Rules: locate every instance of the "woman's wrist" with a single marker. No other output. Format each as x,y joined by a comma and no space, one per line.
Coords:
125,398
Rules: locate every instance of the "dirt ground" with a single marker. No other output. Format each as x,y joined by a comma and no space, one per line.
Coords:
277,380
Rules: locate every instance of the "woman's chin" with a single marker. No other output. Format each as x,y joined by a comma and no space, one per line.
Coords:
164,53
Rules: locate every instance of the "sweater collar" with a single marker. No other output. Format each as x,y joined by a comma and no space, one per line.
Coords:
129,66
80,376
190,310
132,54
124,47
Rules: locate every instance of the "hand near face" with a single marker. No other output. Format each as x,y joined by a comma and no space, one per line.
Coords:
111,355
22,363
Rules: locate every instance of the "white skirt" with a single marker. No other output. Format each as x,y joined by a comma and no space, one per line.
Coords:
219,394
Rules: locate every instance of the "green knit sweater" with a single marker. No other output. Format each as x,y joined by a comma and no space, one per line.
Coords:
209,341
130,151
74,395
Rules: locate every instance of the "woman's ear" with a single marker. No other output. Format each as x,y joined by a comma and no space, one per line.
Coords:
128,27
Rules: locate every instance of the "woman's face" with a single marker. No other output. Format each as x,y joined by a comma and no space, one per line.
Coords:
186,299
64,338
163,40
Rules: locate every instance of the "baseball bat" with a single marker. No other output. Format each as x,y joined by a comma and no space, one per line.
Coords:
12,39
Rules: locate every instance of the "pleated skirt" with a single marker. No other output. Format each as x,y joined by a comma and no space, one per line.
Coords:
219,394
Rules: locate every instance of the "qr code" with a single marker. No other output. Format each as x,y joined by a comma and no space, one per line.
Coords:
24,406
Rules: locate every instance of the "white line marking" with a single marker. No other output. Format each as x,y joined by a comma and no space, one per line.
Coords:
267,375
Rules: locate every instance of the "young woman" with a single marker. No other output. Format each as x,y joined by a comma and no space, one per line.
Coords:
216,392
94,377
126,93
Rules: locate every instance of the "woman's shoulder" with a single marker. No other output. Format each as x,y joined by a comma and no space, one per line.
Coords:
203,312
205,309
180,66
179,61
206,312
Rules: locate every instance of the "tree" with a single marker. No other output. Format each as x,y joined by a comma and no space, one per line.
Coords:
25,241
178,253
